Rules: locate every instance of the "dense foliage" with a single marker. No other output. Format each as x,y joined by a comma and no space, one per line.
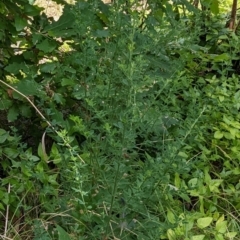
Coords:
119,121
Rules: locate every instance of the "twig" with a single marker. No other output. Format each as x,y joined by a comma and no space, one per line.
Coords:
7,214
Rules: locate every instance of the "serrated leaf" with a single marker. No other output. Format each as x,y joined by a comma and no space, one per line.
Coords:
5,104
14,67
204,222
58,98
62,234
20,23
28,87
12,114
46,46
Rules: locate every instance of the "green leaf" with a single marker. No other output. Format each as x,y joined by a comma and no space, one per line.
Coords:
204,222
20,23
32,10
198,237
218,135
183,155
25,110
170,216
231,235
55,154
12,114
48,67
58,98
52,179
214,184
228,135
67,82
62,234
102,33
29,87
214,7
14,68
221,227
222,57
11,152
62,26
5,104
171,234
47,46
3,135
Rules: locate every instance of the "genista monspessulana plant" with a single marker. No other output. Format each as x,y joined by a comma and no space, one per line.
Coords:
118,120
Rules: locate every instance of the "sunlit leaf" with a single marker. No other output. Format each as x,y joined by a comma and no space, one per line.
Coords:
204,222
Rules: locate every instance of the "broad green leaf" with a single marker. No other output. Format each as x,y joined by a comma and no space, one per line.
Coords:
47,46
3,135
62,27
221,227
20,23
198,237
5,104
67,82
25,110
12,114
32,10
214,7
193,182
11,152
204,222
62,234
48,67
55,154
183,155
231,235
14,67
222,57
2,207
29,87
171,216
219,236
171,234
228,135
218,135
214,184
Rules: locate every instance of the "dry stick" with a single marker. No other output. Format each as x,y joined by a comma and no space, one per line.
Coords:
41,115
7,214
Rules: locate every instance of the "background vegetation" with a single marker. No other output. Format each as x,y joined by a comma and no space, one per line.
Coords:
119,120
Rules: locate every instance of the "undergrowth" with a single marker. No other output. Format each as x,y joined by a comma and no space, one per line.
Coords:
116,124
